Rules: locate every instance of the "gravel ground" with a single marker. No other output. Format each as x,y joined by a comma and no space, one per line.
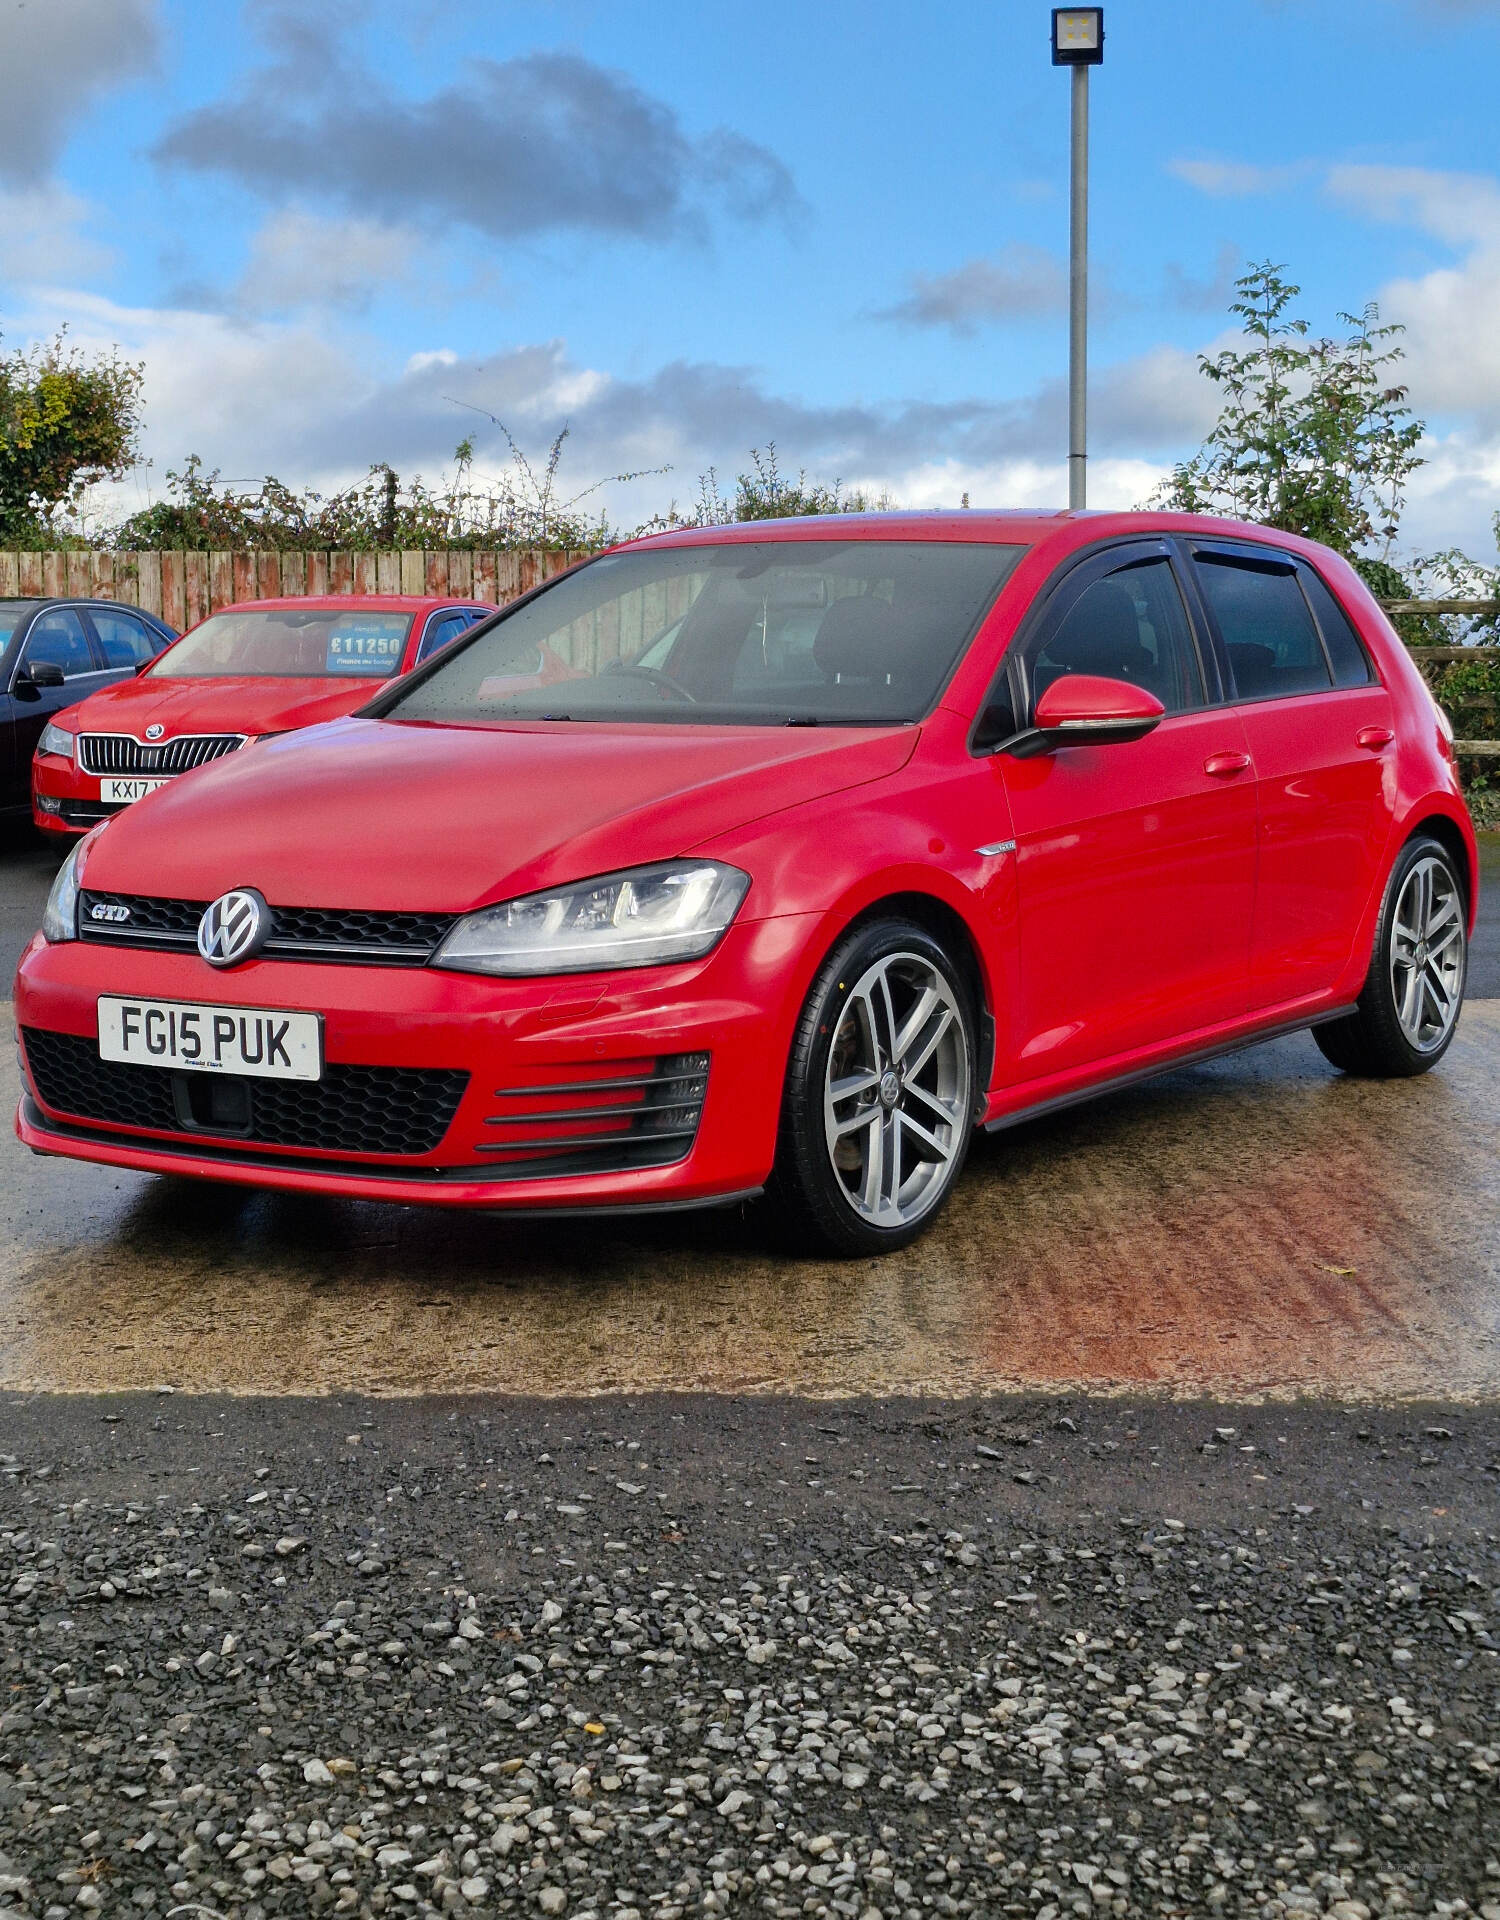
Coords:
684,1655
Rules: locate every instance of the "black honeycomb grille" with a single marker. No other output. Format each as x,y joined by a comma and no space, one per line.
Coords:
384,1110
298,933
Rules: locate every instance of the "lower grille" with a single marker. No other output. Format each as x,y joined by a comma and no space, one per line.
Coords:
384,1110
297,933
88,813
633,1113
121,753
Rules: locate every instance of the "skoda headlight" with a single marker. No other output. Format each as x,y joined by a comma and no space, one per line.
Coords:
675,911
56,739
60,915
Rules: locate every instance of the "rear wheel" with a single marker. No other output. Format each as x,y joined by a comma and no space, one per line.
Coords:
878,1107
1409,1008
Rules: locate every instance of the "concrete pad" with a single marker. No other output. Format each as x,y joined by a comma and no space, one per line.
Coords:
1258,1226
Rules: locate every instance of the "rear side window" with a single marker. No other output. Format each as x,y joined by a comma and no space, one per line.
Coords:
442,628
1131,625
1351,664
125,640
1267,628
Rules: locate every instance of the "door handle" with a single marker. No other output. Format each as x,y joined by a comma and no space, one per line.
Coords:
1374,738
1224,766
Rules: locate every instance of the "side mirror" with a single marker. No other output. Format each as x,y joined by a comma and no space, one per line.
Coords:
43,673
1086,710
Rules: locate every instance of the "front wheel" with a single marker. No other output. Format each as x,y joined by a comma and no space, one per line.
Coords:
878,1108
1408,1011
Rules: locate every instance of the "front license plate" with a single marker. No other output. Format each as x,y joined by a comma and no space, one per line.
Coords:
122,792
249,1040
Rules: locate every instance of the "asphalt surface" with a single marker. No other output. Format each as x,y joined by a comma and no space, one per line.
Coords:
684,1655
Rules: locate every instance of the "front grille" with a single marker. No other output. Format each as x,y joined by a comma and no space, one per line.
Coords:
297,933
385,1110
108,753
632,1113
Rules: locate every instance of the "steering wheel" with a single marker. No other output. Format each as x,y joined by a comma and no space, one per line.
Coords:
657,678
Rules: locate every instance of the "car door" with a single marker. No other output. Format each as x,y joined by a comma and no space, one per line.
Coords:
1321,730
56,635
1135,862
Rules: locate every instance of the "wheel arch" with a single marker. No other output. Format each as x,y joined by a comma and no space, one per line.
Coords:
1449,835
953,932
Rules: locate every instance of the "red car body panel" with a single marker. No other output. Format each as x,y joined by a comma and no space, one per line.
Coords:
251,704
1125,907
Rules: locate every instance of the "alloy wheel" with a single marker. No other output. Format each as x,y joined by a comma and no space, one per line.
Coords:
896,1091
1427,954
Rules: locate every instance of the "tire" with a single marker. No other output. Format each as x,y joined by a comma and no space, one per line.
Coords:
1408,1012
870,1144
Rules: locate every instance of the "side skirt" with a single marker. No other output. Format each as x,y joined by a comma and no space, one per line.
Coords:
1134,1078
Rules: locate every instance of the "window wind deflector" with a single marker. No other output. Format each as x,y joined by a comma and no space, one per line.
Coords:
1254,559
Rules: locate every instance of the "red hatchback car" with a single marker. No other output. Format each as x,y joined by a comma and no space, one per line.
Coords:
827,841
263,667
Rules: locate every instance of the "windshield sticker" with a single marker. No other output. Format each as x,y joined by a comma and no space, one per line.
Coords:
366,646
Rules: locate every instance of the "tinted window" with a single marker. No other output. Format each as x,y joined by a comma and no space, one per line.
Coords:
1351,664
441,628
1131,625
1268,631
834,631
58,636
125,641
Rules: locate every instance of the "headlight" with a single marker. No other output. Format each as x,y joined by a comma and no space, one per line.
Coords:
60,915
676,911
55,739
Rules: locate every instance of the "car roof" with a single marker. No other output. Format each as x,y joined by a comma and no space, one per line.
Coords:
1022,526
358,602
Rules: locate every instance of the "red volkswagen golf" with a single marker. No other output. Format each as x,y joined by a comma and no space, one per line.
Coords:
827,842
260,668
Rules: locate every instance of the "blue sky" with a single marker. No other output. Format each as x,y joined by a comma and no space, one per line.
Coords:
686,230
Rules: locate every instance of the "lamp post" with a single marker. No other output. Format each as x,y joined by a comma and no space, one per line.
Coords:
1078,42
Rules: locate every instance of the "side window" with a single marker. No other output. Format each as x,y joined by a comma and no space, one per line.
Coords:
58,636
441,628
1131,625
125,641
1351,664
1268,630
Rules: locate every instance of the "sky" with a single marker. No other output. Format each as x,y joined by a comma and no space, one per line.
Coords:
340,233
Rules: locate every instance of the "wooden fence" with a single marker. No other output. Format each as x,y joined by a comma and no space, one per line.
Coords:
183,587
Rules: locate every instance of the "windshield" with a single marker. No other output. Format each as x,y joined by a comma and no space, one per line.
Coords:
839,632
321,643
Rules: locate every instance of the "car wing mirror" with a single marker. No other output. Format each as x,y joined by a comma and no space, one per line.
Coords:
32,678
1088,710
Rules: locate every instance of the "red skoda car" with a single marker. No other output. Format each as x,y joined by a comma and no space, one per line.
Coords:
826,842
260,668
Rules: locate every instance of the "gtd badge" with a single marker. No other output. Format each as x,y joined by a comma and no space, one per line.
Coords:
155,730
234,927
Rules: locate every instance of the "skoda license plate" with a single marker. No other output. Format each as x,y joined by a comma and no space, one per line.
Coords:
122,792
248,1040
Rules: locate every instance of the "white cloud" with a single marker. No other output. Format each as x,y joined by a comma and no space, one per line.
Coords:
1460,208
42,237
1226,179
302,260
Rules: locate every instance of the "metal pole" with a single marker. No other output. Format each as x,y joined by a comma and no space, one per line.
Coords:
1078,312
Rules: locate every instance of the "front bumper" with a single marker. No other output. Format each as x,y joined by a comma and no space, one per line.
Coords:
529,1049
65,799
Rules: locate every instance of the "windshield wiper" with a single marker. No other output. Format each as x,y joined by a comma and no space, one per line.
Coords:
803,720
